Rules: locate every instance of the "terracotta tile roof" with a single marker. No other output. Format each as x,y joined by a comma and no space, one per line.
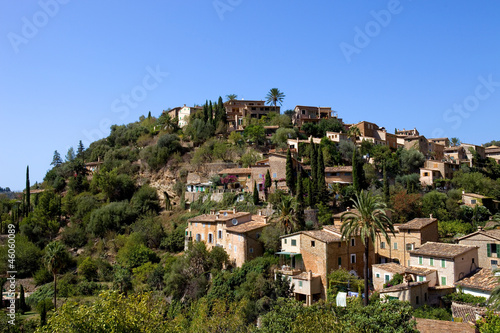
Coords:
236,171
474,195
303,276
246,227
434,326
495,233
419,270
402,286
339,215
416,224
332,228
482,279
213,217
442,250
391,267
339,168
322,235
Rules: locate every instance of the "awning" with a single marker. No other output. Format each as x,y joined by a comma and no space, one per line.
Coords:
289,253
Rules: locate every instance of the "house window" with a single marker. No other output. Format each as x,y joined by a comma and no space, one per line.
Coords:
377,275
294,242
198,237
235,249
420,260
275,175
473,201
339,260
382,245
352,241
494,262
251,250
492,248
220,234
186,233
203,225
353,258
443,263
420,278
409,247
395,246
313,243
229,246
285,240
387,277
443,280
202,236
210,238
300,284
431,261
417,300
257,235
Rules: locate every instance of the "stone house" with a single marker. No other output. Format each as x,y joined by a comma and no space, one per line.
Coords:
488,243
383,273
238,110
311,114
442,141
433,170
243,176
416,293
408,236
455,154
237,232
405,132
479,149
276,164
452,262
480,283
320,252
493,152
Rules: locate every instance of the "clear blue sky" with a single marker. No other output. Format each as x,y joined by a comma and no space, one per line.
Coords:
66,70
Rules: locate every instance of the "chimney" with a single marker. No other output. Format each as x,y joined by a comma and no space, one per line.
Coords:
348,209
479,228
260,212
184,105
309,275
430,216
463,192
234,210
212,211
217,216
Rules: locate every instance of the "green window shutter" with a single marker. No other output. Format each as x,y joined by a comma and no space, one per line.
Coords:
488,249
498,250
443,280
420,260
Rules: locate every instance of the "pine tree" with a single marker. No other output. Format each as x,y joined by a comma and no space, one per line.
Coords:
355,172
290,176
80,150
386,187
255,194
300,201
28,194
56,160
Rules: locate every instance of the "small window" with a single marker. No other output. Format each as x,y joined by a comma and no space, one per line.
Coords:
420,278
387,277
420,260
210,238
285,240
300,284
473,201
377,275
251,250
409,247
417,300
431,261
443,263
257,235
294,242
352,241
275,175
230,246
494,262
235,249
382,245
313,243
443,280
395,246
353,258
425,297
203,225
220,234
472,260
339,260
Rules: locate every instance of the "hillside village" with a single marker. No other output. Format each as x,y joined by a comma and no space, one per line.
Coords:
209,202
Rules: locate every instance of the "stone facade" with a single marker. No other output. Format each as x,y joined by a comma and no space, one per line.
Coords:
489,246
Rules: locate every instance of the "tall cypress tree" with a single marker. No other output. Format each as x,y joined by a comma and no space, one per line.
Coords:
321,175
28,194
22,300
355,171
300,201
205,112
314,170
310,196
267,183
210,113
255,194
290,176
386,187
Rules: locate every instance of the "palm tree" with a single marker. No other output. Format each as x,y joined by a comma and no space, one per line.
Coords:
369,220
455,142
231,97
55,259
285,214
274,96
353,132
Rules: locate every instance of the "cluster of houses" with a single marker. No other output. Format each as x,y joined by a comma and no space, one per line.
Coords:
430,269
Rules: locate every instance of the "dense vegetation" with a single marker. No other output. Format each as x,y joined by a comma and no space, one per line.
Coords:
108,240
